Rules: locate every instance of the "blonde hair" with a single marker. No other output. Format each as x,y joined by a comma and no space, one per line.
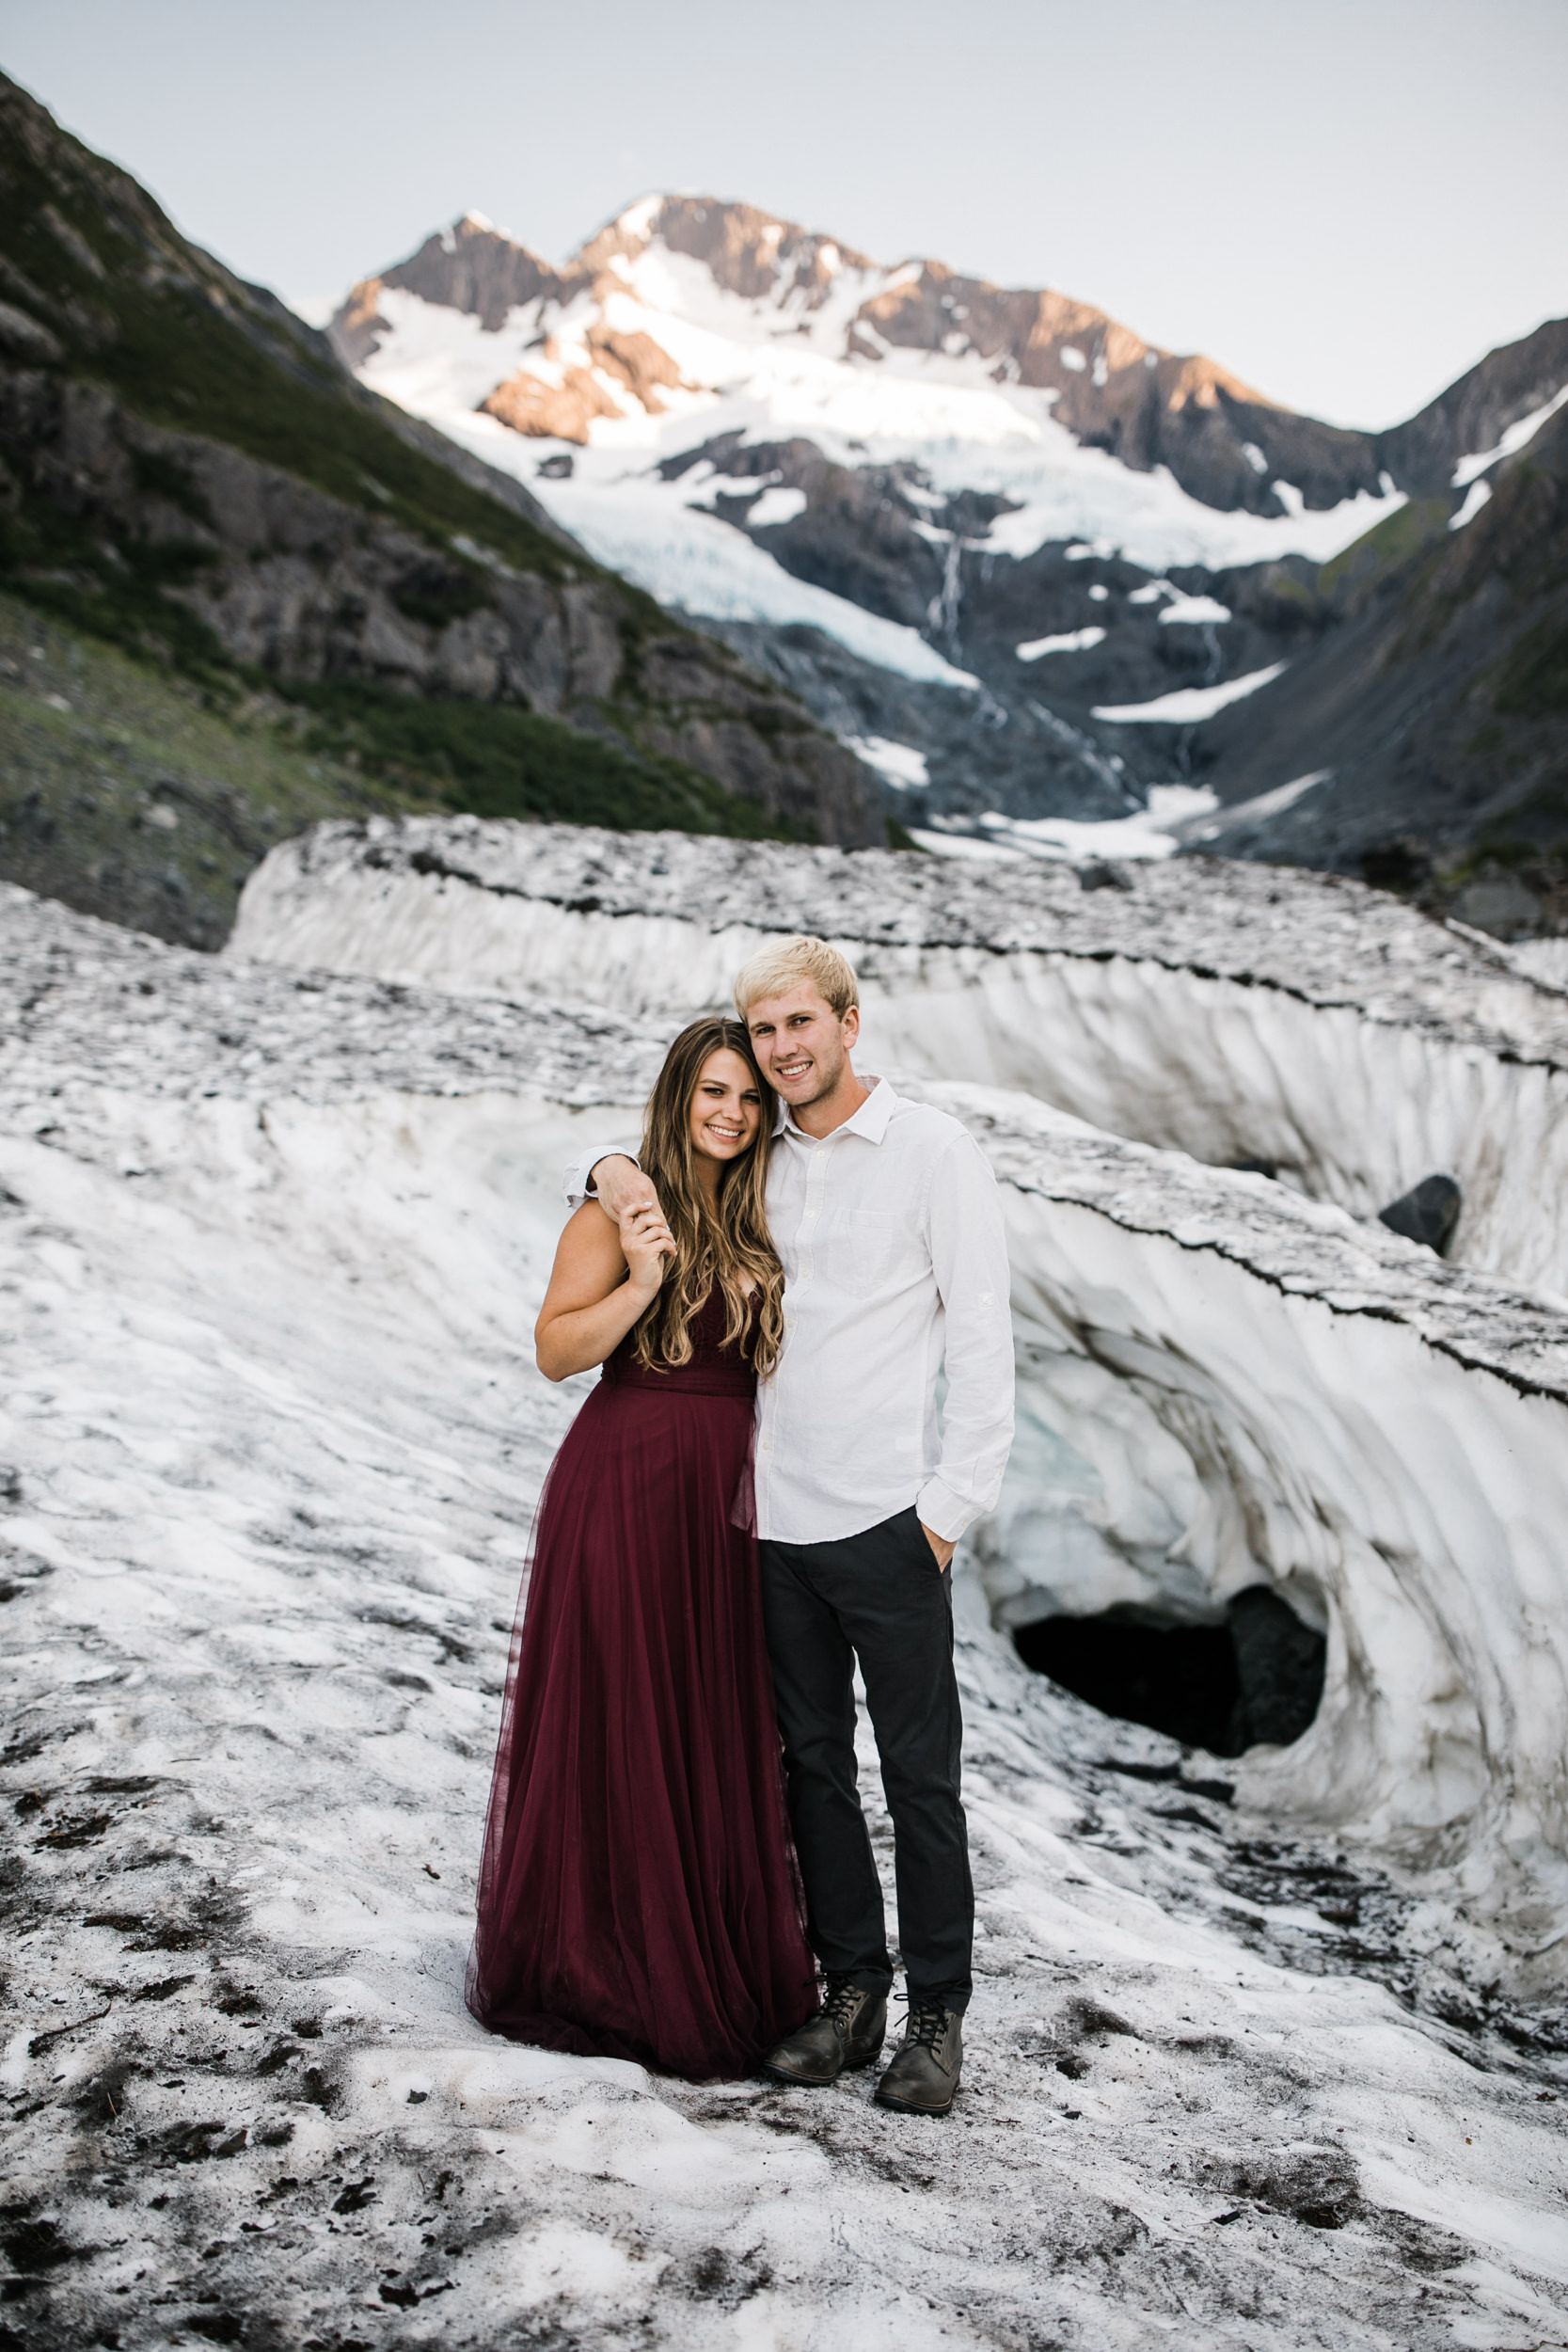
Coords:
773,969
731,1248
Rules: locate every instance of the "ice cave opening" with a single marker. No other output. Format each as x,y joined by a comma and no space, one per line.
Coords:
1253,1677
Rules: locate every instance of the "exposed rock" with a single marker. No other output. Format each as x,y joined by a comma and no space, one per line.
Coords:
1428,1212
1477,409
559,411
1499,902
190,473
562,406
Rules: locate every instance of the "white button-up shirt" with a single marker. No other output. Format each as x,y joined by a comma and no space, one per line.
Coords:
895,1263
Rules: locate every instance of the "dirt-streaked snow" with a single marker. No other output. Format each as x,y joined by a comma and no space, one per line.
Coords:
1231,1012
273,1243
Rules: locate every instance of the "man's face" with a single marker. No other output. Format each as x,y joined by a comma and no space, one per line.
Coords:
802,1045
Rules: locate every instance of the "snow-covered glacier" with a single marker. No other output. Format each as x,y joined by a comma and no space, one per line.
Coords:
1226,1382
693,361
1239,1014
273,1240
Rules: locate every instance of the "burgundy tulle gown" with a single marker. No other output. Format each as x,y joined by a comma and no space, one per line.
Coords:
637,1896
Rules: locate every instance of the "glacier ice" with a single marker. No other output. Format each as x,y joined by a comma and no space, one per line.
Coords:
271,1434
1238,1014
1224,1381
768,373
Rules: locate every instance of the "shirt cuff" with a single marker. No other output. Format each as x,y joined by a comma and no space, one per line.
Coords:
575,1190
944,1513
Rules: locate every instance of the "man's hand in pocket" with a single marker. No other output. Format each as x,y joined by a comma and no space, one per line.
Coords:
942,1549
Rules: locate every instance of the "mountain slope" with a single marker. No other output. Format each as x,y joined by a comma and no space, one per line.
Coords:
1433,707
1031,565
188,473
1111,390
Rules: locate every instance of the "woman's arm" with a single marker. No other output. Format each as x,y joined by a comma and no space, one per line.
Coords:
603,1277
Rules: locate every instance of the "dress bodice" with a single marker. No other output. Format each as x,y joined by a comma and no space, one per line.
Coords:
712,1369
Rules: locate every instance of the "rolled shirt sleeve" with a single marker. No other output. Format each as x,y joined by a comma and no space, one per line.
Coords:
969,1259
575,1187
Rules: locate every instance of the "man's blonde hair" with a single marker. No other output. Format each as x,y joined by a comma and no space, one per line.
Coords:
773,969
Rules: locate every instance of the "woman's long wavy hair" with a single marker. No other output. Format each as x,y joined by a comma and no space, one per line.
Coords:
733,1248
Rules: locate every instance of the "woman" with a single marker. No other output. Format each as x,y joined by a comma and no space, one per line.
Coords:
637,1896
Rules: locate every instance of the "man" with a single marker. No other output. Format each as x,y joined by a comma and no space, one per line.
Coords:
886,1216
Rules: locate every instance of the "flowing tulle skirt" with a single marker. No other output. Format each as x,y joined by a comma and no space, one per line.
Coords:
637,1896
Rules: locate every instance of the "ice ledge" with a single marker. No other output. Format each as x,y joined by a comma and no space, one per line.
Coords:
109,1011
1320,938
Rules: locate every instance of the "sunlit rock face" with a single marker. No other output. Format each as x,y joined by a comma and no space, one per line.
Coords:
272,1241
1223,1384
1242,1015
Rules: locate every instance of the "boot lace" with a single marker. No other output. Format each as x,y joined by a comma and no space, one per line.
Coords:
924,2024
842,2000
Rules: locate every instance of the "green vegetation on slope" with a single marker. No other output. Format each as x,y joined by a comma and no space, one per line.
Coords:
1416,524
122,298
495,761
138,797
1533,683
124,792
118,301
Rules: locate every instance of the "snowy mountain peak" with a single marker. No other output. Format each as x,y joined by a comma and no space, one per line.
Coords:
713,386
684,294
951,484
745,253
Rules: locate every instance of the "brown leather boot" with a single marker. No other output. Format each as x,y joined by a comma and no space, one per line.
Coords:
845,2032
924,2075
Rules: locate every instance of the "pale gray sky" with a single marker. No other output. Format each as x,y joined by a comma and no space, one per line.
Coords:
1345,201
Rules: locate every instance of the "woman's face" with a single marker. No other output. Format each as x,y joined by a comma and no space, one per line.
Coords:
726,1107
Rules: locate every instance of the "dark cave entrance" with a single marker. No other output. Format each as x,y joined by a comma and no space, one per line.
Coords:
1258,1677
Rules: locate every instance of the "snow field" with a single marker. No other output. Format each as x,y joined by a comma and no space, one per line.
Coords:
275,1435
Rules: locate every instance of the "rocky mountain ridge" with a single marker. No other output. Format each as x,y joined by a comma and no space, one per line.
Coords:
1028,564
1431,712
188,474
1144,406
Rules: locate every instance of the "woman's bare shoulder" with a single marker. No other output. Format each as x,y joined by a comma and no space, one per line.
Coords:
588,1251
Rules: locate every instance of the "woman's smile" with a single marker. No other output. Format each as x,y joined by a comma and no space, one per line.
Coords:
726,1107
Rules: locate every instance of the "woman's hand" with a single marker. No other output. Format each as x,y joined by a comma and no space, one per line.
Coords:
646,1240
602,1281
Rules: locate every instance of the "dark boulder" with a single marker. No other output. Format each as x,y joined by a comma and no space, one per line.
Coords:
1427,1212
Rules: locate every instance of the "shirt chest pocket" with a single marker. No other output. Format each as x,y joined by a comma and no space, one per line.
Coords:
864,1250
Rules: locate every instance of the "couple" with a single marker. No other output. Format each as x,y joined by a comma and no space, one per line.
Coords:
753,1496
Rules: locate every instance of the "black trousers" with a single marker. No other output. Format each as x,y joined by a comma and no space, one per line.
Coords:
878,1596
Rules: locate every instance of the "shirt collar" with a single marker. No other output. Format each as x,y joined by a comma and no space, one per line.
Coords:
871,1121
